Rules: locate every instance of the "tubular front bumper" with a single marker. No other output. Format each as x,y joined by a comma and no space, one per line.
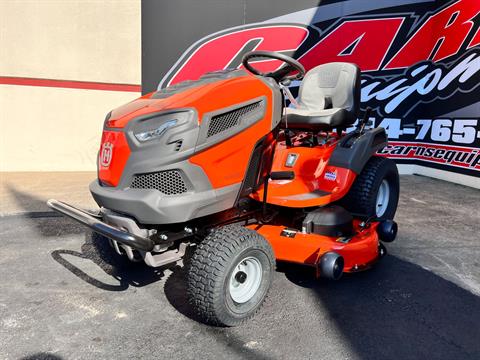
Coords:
95,223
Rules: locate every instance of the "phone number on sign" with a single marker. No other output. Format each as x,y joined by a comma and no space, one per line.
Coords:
458,131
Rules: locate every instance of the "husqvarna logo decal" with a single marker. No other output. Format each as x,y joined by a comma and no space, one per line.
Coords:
106,153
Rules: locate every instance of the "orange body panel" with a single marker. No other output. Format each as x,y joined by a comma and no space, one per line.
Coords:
226,163
358,253
316,183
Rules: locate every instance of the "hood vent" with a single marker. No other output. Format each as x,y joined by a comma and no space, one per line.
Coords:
230,119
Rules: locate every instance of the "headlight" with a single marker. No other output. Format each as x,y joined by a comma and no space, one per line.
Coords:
156,132
155,126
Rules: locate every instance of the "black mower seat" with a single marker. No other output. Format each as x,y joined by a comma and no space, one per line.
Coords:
328,98
321,120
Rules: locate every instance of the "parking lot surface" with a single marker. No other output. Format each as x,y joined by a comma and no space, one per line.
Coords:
66,295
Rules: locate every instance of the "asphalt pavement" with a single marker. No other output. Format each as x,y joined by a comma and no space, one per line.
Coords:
65,295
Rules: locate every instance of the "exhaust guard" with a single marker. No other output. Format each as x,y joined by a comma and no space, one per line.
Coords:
95,223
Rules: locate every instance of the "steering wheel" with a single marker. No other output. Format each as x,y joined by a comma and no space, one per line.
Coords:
282,74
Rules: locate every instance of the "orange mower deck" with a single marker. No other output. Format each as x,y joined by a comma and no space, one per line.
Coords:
358,251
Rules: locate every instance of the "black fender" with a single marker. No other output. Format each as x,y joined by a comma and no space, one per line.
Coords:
355,149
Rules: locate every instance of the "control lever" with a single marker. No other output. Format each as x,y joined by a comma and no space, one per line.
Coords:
288,137
365,121
284,87
353,136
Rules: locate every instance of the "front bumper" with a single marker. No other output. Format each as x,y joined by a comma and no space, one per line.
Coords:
152,207
95,223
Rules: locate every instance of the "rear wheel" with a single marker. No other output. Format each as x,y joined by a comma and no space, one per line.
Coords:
229,275
375,190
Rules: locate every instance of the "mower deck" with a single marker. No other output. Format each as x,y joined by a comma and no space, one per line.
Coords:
359,251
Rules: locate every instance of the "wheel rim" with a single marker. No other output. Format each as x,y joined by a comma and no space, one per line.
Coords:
245,280
383,197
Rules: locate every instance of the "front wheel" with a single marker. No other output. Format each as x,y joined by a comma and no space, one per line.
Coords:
229,275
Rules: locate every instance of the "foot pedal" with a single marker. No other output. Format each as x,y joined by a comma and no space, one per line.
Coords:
282,175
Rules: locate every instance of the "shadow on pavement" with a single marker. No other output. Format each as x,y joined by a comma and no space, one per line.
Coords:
97,249
42,220
398,310
176,294
42,356
30,203
128,274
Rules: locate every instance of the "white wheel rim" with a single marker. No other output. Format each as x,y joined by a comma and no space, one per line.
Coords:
383,197
245,280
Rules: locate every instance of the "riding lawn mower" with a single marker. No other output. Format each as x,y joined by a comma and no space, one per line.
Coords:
222,170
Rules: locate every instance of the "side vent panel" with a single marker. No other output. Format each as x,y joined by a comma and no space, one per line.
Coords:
178,145
227,120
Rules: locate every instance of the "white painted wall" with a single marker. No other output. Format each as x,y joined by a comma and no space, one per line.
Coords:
53,129
56,129
88,40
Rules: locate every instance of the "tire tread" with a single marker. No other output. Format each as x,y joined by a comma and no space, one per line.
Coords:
210,260
360,196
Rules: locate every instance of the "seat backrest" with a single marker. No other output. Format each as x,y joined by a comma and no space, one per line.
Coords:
336,82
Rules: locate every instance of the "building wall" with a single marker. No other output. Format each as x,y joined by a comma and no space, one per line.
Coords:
93,47
92,44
